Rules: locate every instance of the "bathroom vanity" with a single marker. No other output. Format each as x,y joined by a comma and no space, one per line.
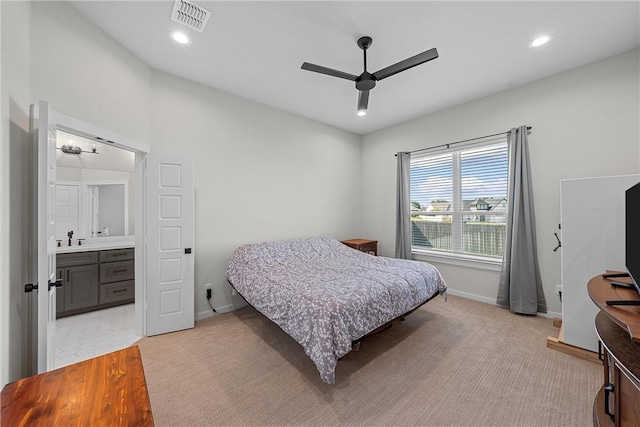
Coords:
95,275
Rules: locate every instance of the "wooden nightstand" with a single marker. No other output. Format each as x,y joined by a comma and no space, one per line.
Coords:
363,245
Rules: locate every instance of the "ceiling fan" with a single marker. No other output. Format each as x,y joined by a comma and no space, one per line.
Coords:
367,81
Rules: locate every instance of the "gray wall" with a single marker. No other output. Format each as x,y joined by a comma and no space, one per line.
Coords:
585,123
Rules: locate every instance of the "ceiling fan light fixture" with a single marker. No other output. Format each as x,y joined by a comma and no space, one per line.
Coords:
362,113
180,37
539,41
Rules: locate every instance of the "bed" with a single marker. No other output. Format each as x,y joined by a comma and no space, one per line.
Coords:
326,295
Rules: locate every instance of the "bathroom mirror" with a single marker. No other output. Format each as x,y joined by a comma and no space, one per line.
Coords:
95,189
106,210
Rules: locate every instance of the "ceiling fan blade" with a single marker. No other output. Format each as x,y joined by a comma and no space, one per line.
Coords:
420,58
328,71
363,100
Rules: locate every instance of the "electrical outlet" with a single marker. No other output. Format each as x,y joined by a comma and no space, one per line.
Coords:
558,289
207,289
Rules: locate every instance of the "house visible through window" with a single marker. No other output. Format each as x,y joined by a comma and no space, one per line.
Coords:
459,200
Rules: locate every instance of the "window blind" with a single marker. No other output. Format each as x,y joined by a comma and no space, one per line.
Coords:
459,199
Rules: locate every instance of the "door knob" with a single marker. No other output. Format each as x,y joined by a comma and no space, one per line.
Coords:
57,283
29,287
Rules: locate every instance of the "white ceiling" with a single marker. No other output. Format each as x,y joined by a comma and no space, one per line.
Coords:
255,49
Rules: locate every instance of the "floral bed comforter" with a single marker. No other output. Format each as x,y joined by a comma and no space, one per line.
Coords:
326,295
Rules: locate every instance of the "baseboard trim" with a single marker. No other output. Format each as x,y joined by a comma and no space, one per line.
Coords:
230,307
219,310
492,301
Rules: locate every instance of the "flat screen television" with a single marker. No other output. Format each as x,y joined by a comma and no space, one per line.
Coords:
632,234
632,246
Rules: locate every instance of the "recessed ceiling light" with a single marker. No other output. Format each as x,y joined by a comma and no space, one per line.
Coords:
539,41
362,113
180,37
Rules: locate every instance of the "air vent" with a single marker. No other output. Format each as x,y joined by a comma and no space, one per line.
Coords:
190,15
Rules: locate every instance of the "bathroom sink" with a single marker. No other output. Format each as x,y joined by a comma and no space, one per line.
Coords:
97,244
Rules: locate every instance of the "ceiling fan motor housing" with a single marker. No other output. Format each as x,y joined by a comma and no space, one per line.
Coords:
365,81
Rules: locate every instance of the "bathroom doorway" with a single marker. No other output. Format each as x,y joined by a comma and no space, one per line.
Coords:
95,200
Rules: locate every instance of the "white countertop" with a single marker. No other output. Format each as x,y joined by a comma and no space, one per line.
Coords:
97,244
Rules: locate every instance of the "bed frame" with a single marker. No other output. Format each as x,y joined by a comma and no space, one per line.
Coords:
355,344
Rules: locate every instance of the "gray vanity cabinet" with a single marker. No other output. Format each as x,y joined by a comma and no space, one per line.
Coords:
117,272
94,280
80,291
79,274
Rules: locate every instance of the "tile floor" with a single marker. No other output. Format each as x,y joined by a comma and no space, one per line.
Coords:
87,335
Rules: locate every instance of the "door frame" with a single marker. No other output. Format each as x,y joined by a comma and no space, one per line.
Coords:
140,149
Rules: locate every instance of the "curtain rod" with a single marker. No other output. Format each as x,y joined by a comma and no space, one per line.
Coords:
460,142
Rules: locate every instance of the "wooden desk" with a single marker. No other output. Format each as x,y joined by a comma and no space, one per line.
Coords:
617,404
363,245
627,317
108,390
622,372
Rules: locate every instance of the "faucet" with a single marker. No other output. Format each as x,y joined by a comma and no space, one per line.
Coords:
70,235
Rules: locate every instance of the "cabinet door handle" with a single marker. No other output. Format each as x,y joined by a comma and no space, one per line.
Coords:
600,355
67,275
607,390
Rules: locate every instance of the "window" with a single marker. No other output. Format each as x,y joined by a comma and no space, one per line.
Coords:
459,201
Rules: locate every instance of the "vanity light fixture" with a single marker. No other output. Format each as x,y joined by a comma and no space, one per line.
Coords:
74,149
539,41
180,37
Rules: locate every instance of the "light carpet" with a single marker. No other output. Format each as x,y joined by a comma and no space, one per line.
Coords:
453,363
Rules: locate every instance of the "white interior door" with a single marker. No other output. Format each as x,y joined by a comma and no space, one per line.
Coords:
45,258
67,211
169,236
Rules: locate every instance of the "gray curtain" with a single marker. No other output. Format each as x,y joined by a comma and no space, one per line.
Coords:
520,287
403,207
